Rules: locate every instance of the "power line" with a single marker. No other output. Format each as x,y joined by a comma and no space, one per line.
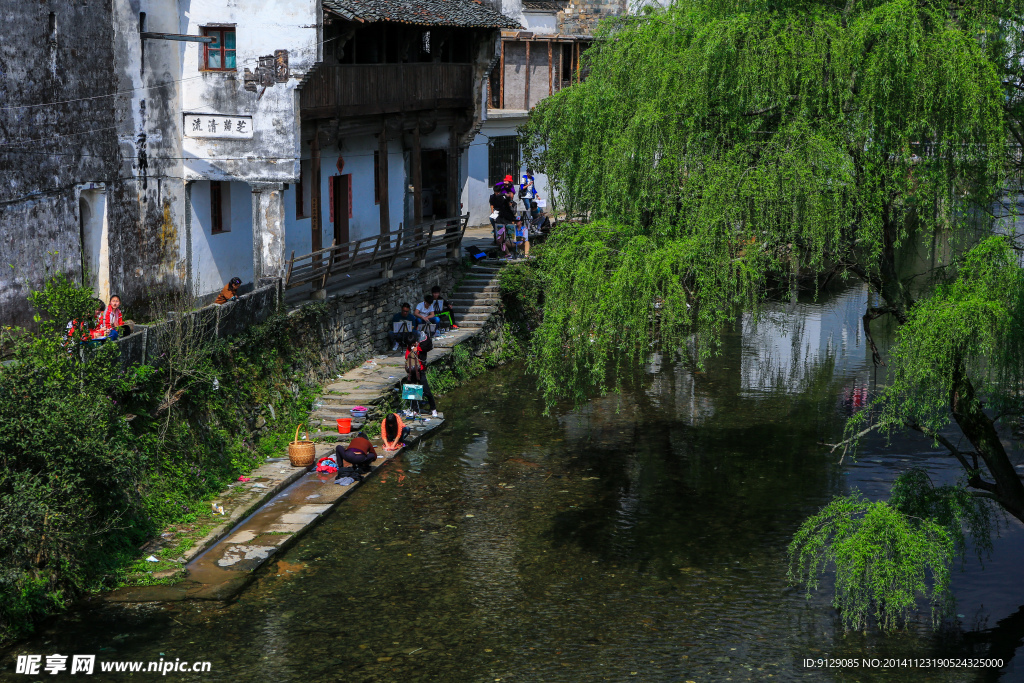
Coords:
59,135
152,157
97,97
252,60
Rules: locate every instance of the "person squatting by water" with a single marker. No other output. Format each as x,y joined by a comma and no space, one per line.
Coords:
393,431
417,344
359,455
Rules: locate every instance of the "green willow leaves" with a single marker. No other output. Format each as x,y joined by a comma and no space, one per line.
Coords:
717,148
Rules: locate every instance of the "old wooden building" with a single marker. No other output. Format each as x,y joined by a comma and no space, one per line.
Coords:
387,116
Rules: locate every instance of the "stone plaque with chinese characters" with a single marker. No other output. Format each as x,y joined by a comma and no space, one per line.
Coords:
218,126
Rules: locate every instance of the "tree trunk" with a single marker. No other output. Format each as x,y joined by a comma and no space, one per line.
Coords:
980,430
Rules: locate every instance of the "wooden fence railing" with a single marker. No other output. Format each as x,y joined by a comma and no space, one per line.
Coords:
377,252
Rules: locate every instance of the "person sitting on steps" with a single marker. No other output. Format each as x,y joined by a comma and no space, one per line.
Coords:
425,312
393,432
443,309
410,322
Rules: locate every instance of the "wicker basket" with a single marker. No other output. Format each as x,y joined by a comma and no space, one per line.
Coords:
301,453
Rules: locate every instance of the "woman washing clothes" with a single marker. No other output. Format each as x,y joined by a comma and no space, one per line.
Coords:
393,431
359,455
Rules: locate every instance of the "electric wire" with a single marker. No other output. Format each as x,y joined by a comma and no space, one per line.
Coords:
251,60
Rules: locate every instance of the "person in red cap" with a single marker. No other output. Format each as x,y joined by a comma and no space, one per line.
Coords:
509,187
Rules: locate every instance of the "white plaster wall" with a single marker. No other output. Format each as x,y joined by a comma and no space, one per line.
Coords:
297,235
218,258
261,26
541,22
477,187
513,9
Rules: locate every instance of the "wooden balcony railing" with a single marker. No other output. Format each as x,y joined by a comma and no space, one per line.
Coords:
376,252
355,89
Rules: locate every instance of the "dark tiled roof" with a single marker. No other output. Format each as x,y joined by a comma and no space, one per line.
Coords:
543,6
424,12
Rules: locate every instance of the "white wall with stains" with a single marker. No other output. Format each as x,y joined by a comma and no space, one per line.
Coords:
261,27
218,257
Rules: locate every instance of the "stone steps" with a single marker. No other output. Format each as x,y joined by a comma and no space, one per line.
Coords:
462,310
474,289
463,297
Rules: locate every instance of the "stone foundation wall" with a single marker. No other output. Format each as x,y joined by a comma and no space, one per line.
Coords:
356,324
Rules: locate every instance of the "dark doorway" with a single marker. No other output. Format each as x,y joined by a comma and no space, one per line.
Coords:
341,206
435,184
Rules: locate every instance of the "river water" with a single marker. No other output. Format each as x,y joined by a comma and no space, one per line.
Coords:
641,536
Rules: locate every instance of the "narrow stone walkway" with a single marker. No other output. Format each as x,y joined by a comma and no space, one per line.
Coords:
294,499
475,299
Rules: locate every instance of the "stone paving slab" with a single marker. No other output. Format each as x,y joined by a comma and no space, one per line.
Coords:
223,570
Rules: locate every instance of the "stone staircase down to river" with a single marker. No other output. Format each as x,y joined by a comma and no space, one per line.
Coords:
474,300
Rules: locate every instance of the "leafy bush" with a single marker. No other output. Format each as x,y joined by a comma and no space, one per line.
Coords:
522,290
95,458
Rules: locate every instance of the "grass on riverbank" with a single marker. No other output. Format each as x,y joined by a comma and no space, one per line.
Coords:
96,459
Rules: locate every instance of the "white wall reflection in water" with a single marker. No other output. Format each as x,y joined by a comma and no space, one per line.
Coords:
789,343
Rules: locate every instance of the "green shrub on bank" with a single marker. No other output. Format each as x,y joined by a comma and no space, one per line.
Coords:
522,291
94,458
463,365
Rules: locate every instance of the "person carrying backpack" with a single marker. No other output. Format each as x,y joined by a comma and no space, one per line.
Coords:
417,345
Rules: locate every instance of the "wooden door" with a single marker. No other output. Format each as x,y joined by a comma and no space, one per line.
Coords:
341,207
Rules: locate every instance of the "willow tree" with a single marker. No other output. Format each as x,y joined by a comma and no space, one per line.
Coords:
718,148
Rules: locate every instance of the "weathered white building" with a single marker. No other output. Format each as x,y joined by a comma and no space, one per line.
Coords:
387,116
240,132
159,145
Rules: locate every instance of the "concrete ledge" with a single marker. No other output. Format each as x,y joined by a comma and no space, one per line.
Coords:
227,564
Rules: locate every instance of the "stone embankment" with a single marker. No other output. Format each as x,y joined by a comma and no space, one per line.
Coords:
281,502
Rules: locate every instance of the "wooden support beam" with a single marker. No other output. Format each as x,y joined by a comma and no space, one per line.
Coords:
454,207
316,210
561,63
551,85
180,37
417,177
382,151
526,102
501,80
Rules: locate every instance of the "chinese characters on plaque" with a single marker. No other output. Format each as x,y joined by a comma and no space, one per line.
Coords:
218,126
